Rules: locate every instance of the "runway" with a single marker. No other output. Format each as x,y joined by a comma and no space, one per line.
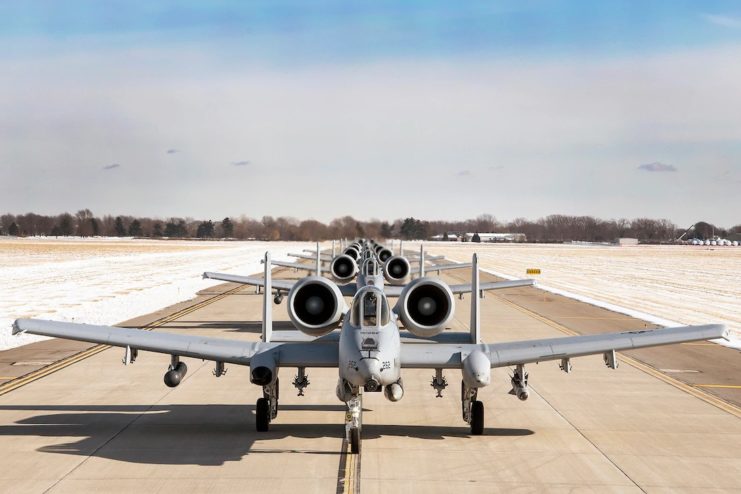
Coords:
97,425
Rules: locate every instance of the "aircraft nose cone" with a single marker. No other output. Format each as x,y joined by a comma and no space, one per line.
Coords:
314,305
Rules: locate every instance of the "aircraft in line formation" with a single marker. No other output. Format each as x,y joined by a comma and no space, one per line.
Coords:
370,350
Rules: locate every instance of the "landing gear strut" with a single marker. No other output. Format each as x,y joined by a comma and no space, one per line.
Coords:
266,409
473,410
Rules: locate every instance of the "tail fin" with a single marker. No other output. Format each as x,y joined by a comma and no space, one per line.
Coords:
475,305
401,247
421,260
318,260
267,308
332,249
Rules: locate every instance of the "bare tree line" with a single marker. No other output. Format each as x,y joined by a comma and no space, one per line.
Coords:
552,228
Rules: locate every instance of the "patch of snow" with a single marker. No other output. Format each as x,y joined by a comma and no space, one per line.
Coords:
664,285
106,282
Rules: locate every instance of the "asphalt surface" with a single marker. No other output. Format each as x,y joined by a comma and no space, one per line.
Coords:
96,425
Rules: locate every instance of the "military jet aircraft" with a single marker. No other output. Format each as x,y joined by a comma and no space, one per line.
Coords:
369,352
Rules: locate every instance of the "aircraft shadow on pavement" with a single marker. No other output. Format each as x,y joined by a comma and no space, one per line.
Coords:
201,434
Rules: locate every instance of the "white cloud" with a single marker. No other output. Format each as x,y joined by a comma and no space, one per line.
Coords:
565,128
723,20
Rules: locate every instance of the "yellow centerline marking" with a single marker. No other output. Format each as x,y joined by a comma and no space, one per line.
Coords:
697,393
350,472
729,386
16,383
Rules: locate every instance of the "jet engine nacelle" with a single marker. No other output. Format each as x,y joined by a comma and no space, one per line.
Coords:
353,252
425,306
384,254
315,305
343,268
396,270
263,370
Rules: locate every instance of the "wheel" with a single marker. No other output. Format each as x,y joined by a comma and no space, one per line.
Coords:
477,418
262,415
355,441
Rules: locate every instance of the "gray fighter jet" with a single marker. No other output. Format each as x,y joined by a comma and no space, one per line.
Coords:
370,351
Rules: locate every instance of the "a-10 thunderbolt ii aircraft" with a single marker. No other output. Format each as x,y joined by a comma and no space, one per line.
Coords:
370,352
397,269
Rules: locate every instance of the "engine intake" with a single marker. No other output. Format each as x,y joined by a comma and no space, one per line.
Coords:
353,252
425,306
384,254
315,305
396,270
343,268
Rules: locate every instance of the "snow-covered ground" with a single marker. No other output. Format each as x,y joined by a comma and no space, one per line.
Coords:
105,281
668,285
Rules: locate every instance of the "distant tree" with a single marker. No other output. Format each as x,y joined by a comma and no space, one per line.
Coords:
94,227
84,228
205,229
13,229
445,237
476,237
56,231
704,230
135,229
66,225
120,228
227,227
157,229
386,231
171,229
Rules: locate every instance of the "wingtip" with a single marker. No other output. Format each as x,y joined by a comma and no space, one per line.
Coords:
16,328
725,333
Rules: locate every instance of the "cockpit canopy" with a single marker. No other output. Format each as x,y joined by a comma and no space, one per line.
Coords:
370,268
370,308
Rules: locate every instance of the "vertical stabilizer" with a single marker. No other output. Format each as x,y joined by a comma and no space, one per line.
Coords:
401,247
332,249
421,260
267,308
318,260
475,301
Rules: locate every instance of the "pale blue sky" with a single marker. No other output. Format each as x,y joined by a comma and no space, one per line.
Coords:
614,109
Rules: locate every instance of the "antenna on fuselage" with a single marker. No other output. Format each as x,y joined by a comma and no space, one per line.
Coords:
267,308
475,297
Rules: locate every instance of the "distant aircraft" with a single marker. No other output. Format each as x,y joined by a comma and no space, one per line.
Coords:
370,351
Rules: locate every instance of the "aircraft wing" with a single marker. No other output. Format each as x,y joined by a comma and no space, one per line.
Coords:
324,257
294,265
492,285
442,267
247,280
300,354
448,356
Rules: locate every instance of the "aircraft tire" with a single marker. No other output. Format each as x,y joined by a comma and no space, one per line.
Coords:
262,415
355,441
477,418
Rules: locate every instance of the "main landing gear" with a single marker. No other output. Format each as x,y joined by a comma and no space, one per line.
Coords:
473,410
266,409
